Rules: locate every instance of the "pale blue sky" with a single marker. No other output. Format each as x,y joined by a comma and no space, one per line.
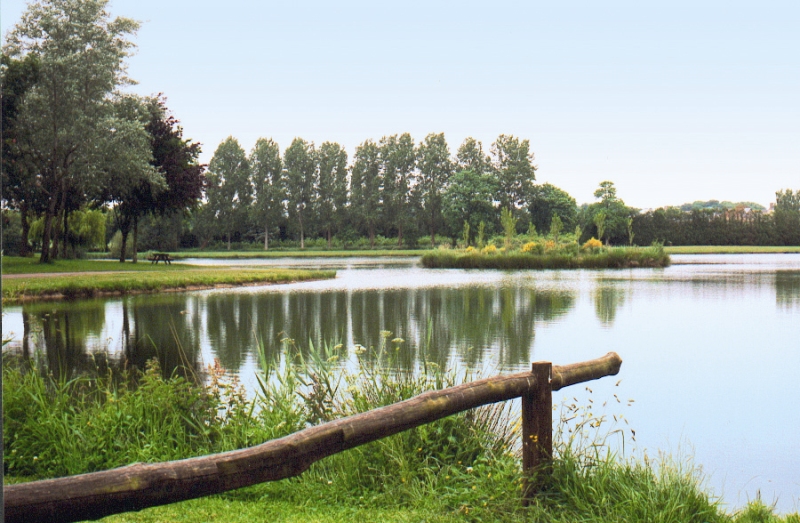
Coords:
673,101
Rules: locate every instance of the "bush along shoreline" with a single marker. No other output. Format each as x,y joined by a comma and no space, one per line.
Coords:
548,255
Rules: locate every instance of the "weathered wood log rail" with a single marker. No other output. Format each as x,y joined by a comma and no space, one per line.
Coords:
138,486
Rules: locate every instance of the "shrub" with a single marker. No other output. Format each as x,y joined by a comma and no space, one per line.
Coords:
593,243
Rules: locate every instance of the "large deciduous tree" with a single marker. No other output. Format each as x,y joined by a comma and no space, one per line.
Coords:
399,161
469,199
267,171
548,201
515,171
123,157
19,190
302,179
365,191
787,216
230,192
332,187
470,157
81,54
435,169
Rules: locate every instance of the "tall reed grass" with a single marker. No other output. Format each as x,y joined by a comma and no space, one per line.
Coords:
465,467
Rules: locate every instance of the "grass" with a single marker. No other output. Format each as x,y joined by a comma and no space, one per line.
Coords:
729,249
602,258
20,265
296,253
461,468
95,284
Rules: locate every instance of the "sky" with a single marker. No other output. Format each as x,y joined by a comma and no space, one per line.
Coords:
672,101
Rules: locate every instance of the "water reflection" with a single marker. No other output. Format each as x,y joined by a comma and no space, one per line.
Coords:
607,299
787,289
437,324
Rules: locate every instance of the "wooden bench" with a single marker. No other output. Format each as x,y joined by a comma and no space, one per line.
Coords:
160,256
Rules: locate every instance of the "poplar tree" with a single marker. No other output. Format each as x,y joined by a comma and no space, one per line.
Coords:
399,161
366,187
230,192
302,179
332,186
435,169
267,172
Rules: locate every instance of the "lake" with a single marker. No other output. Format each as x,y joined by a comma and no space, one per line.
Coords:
710,345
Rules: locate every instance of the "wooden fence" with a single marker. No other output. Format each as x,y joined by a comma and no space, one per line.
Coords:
138,486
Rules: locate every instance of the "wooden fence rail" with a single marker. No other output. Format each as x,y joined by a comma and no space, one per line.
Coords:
138,486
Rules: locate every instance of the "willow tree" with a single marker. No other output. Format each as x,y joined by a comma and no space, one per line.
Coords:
81,54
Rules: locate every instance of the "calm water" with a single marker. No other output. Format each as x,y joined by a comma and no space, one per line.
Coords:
711,345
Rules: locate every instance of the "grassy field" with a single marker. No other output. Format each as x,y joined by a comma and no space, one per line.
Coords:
298,254
19,265
729,249
150,280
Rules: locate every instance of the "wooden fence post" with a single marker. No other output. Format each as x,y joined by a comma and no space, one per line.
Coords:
537,430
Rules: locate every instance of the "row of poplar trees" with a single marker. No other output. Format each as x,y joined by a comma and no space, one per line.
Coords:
390,186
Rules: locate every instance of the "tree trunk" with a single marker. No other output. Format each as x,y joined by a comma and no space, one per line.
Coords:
302,237
48,230
371,236
329,237
65,235
25,249
134,258
266,236
124,245
229,240
400,235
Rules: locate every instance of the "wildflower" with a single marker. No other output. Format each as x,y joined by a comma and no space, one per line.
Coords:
529,247
469,470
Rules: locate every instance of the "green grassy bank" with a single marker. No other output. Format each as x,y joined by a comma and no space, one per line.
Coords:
729,249
19,265
567,257
92,284
292,253
461,468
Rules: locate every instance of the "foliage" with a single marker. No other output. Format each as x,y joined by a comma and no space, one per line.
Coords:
468,199
593,243
509,223
515,171
332,191
230,192
66,113
435,169
366,180
557,257
547,201
302,175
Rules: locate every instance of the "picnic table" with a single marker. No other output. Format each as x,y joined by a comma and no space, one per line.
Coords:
160,256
